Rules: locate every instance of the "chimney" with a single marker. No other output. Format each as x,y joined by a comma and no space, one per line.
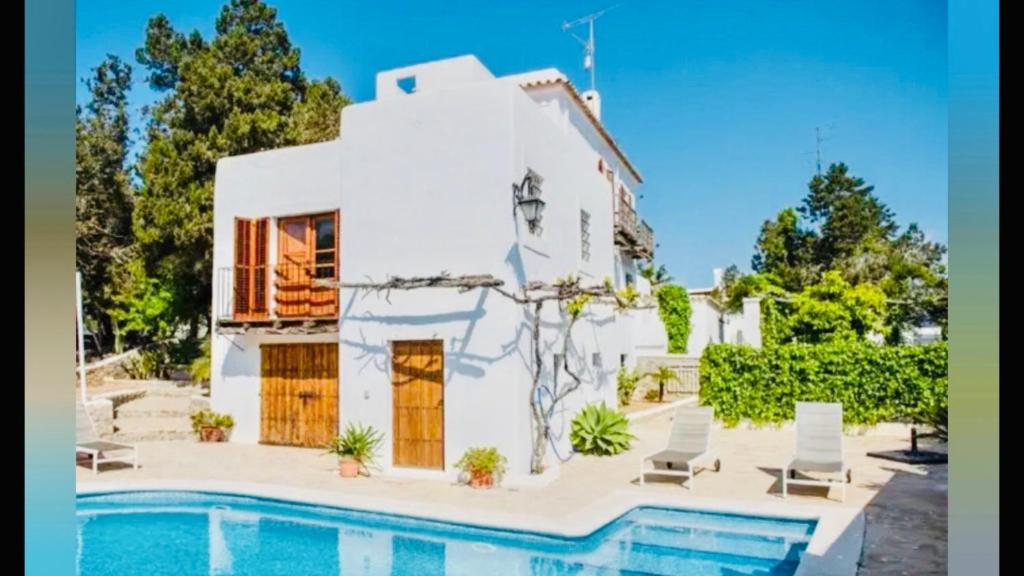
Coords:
593,101
718,274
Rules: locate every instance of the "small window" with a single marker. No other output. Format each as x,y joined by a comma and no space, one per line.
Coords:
629,279
600,165
622,360
596,360
585,235
407,84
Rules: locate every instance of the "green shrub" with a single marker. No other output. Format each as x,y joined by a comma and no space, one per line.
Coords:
874,383
357,442
626,384
651,395
600,431
674,310
934,413
199,368
482,462
152,362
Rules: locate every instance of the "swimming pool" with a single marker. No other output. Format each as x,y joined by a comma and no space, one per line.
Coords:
156,533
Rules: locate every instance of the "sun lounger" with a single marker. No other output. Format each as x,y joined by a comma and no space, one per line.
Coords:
100,451
689,446
819,447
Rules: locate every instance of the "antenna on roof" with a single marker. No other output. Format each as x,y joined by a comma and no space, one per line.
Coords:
818,139
588,43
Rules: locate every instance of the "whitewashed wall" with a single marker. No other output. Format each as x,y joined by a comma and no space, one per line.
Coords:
743,327
288,181
704,324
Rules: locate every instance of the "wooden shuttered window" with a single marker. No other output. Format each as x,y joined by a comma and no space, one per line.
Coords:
307,251
251,242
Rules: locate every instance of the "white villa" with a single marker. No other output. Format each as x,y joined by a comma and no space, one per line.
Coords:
420,182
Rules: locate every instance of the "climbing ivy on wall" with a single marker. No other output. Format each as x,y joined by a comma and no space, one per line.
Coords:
674,310
774,326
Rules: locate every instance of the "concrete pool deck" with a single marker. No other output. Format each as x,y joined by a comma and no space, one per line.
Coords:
903,525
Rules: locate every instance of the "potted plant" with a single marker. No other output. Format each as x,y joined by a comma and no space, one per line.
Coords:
211,426
482,465
355,448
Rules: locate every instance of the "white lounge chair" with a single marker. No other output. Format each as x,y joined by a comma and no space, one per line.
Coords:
689,446
819,447
100,451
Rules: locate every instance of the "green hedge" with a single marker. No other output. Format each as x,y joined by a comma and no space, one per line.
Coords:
874,383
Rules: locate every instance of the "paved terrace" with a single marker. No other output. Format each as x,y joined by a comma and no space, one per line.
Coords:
905,506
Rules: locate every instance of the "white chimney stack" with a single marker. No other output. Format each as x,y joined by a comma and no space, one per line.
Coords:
593,101
719,275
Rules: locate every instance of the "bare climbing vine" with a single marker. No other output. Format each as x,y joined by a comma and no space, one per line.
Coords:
572,297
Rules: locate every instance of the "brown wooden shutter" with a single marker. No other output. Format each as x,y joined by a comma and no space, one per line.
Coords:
243,273
261,232
251,245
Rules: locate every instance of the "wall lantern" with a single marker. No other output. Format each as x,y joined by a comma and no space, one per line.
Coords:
526,197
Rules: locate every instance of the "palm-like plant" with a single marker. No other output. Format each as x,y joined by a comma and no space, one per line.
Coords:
656,276
359,443
662,376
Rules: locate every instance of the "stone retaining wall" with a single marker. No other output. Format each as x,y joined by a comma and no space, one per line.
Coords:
101,410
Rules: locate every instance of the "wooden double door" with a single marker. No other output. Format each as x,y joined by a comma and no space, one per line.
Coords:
418,404
298,394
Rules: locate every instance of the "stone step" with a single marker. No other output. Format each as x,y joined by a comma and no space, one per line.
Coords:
153,436
159,387
152,428
154,406
176,391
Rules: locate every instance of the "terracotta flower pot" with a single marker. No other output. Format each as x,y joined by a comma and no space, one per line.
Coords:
481,480
349,468
211,434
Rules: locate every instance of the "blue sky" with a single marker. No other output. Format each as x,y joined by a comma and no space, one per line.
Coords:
716,102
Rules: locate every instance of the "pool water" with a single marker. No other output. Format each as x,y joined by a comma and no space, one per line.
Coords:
155,533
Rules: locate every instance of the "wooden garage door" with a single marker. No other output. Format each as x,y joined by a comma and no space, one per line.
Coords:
418,404
299,394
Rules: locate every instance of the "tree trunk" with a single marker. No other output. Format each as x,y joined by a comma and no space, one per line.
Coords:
540,435
118,337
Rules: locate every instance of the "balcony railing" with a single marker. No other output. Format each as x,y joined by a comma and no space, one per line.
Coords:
633,234
293,293
625,224
644,241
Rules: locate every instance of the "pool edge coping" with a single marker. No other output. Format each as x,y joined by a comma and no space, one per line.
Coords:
834,549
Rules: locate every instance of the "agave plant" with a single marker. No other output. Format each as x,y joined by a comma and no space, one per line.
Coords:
600,431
